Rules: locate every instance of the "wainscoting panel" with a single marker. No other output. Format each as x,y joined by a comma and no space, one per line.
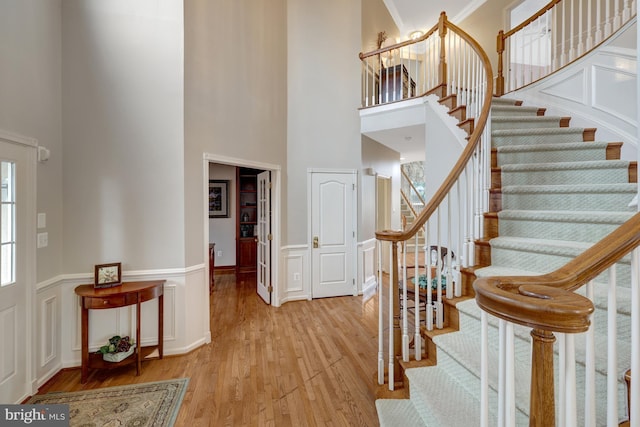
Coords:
9,340
297,284
367,279
48,330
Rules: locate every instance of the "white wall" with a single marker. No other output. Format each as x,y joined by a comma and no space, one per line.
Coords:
123,133
323,80
222,231
30,84
235,94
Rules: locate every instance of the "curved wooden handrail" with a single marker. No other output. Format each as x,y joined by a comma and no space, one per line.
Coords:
399,45
532,18
458,168
547,301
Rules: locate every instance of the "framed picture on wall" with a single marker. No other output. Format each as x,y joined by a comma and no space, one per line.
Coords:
218,198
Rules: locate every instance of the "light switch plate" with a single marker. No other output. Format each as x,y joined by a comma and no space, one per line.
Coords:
43,240
42,220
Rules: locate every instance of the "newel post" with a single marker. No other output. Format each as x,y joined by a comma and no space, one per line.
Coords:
542,405
442,67
500,78
397,333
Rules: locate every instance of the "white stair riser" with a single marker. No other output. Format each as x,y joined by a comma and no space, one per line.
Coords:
609,175
502,139
559,229
563,201
587,153
504,123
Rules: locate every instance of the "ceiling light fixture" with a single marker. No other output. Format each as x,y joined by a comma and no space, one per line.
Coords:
415,35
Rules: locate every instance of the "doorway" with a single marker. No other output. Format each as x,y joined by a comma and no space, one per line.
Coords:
241,247
333,230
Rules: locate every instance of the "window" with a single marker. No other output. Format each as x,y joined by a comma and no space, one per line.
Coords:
7,223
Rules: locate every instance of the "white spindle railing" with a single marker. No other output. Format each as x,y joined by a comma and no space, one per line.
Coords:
448,63
559,33
591,390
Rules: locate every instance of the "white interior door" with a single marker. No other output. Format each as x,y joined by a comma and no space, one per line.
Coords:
264,236
17,225
333,234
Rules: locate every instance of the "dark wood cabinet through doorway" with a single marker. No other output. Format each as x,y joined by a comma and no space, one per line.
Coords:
246,220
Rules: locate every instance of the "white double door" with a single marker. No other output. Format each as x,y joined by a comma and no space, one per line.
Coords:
17,269
333,234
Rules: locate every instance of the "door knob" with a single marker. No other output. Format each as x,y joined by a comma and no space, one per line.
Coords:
315,241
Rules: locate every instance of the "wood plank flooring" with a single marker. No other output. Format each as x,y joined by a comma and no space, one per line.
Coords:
307,363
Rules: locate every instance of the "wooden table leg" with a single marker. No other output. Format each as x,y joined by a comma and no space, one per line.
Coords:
138,344
85,343
160,324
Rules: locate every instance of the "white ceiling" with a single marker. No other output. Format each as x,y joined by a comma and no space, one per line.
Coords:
412,15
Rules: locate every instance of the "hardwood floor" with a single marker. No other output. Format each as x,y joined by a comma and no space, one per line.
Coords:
307,363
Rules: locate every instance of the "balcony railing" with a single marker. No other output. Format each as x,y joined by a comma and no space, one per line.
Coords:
559,33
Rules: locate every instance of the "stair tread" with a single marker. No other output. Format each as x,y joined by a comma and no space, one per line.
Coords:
590,217
505,101
508,108
444,396
578,145
541,119
631,188
590,164
398,412
538,131
471,309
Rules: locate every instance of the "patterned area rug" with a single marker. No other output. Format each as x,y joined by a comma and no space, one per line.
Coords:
147,404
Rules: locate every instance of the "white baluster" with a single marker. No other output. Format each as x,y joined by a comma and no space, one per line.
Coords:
617,19
599,23
405,317
439,305
572,32
562,383
627,11
612,349
580,49
391,343
484,370
570,381
380,317
563,46
449,288
608,28
635,339
427,262
417,339
590,370
510,381
502,381
589,25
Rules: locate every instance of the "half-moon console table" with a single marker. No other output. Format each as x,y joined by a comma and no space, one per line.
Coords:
128,293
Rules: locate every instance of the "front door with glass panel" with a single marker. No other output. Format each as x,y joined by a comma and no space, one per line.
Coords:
16,174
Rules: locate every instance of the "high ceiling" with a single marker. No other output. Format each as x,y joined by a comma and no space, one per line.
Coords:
412,15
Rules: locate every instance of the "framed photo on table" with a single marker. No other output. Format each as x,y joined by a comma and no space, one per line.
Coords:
218,198
107,275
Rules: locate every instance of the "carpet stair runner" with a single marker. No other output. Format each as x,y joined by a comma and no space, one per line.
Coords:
558,195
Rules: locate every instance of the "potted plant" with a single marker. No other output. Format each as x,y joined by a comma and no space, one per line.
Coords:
118,349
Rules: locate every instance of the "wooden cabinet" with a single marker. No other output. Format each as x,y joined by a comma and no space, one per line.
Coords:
395,84
246,220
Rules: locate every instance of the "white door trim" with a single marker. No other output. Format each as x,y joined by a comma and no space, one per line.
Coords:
276,183
31,189
310,172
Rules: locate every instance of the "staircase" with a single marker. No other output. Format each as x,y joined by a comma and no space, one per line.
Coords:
408,215
555,192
